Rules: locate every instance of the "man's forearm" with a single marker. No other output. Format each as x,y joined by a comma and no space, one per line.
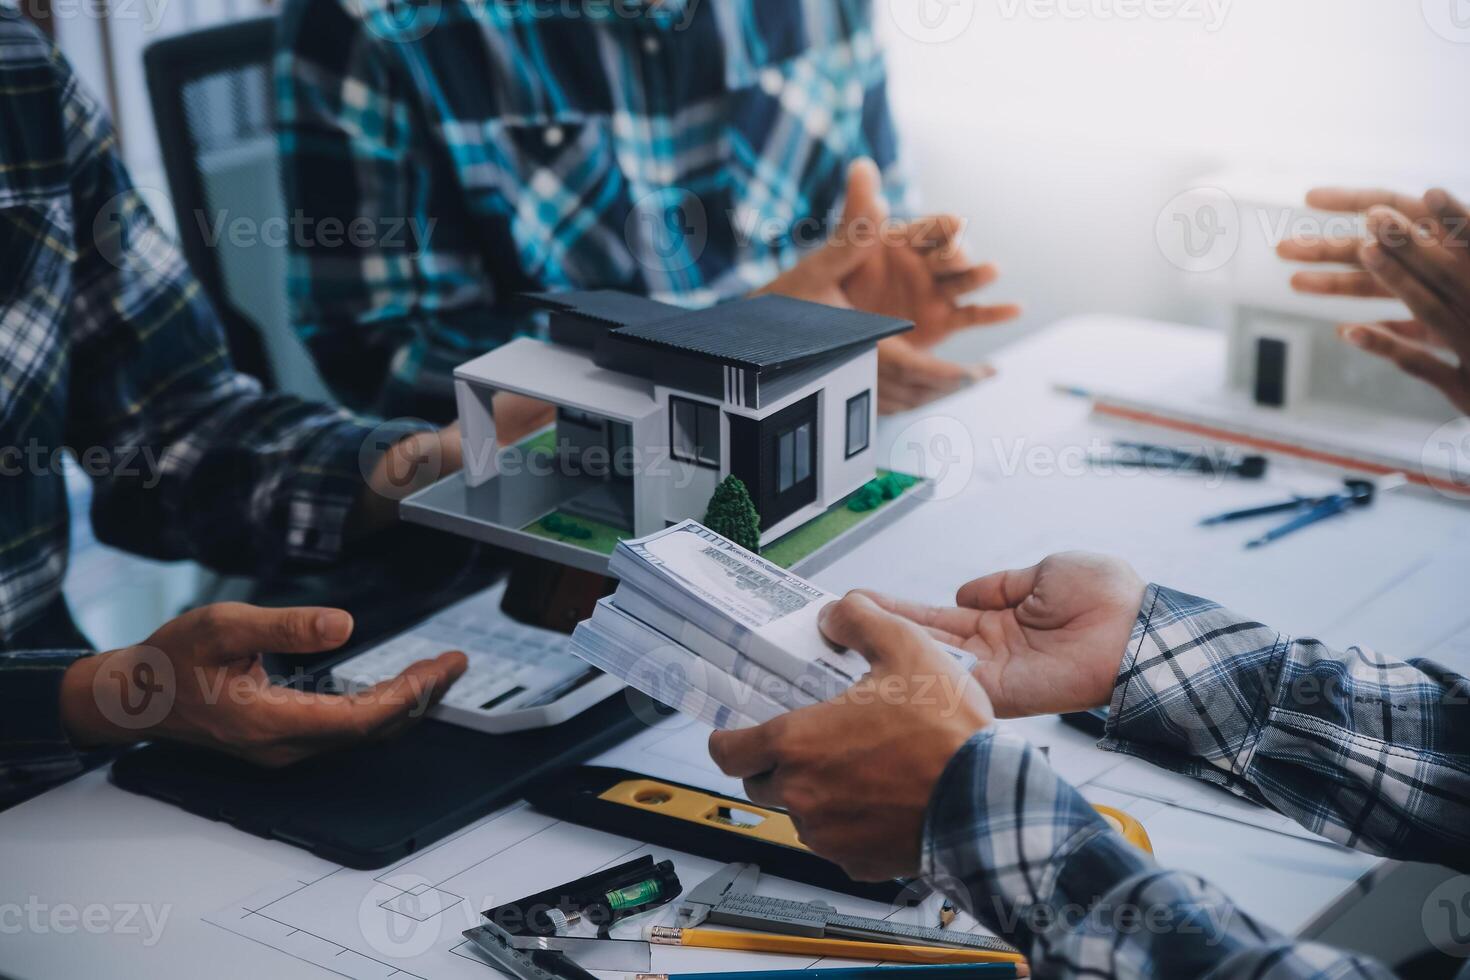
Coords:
35,748
1024,853
250,483
1365,751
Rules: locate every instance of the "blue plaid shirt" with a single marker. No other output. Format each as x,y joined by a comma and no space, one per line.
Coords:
109,351
1367,752
685,150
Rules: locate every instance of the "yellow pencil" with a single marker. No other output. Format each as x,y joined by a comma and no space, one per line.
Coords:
757,942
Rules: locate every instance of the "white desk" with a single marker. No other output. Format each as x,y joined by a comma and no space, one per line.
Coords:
103,853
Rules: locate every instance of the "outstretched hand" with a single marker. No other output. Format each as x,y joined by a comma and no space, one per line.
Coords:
199,679
916,271
919,271
1416,250
1046,639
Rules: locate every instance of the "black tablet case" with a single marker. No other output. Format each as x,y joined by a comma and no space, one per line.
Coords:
372,804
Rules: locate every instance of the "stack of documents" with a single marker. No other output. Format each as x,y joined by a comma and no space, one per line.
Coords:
702,625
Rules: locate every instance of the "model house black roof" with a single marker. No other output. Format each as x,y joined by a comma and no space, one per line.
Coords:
608,306
765,334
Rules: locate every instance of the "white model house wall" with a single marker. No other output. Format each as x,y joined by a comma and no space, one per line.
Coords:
839,474
679,490
478,440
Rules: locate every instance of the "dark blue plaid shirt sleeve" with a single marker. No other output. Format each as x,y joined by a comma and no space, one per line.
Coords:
1366,751
1022,851
34,749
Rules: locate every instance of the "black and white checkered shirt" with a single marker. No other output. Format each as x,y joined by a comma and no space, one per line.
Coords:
1362,750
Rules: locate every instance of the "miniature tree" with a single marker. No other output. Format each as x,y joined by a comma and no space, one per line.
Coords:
732,513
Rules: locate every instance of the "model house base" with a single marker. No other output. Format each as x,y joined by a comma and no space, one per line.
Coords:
455,508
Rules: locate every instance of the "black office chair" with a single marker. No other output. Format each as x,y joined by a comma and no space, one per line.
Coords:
213,106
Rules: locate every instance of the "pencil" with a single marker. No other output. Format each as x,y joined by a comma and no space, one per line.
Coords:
947,971
757,942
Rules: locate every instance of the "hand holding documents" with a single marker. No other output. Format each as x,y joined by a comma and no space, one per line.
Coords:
707,627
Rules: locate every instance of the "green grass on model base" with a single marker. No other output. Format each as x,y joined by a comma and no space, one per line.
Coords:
601,538
821,531
788,550
582,532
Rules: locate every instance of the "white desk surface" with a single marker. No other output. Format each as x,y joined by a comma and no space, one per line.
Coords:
88,844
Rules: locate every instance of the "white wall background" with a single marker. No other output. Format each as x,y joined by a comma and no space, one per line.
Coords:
1060,128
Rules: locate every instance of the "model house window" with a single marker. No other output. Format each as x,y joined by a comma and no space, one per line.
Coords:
859,411
794,457
696,432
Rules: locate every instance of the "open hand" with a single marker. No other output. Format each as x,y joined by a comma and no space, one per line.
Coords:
1416,250
919,271
199,679
857,772
916,271
1046,639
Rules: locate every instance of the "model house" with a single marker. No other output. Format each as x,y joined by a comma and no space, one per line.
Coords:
657,405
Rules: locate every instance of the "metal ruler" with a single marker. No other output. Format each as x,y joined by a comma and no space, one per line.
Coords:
816,919
497,946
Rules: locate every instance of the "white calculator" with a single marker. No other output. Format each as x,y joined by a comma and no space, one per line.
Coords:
519,677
